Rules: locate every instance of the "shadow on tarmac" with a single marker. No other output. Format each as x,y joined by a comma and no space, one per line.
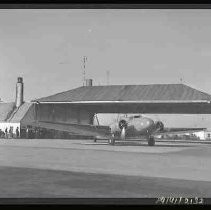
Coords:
139,144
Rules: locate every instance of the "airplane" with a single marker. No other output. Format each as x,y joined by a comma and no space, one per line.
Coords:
142,127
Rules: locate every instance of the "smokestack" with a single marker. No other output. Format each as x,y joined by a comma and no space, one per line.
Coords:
19,92
88,82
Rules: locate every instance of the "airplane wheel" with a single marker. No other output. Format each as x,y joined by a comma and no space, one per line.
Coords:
151,141
111,141
95,140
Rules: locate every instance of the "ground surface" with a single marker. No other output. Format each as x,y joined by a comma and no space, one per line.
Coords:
68,168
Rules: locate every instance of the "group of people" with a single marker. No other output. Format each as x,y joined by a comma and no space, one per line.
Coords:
9,134
30,132
33,133
25,133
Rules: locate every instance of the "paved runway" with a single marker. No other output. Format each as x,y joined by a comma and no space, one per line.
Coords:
162,169
36,183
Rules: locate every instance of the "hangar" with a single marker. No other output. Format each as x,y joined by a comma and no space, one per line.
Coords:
76,108
73,111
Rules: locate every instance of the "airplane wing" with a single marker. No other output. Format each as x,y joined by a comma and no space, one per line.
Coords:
75,129
178,131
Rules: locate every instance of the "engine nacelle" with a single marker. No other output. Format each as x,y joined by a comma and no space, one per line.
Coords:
159,126
122,124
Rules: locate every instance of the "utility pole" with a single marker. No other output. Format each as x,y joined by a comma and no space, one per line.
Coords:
84,69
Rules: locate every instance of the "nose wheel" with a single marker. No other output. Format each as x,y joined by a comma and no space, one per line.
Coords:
111,141
151,141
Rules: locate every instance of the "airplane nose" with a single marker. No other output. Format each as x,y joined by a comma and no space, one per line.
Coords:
149,122
145,123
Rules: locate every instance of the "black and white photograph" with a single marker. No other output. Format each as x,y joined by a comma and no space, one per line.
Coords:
107,105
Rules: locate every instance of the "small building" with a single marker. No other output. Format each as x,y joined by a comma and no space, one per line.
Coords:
208,134
201,135
16,114
204,135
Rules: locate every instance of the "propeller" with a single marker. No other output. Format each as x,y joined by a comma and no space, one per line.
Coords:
159,126
123,127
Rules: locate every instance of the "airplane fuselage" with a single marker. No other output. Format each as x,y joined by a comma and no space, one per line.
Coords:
135,127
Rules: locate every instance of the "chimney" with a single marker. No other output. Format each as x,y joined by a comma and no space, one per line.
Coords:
88,82
19,92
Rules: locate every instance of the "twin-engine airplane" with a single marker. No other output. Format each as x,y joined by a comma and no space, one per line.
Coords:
142,127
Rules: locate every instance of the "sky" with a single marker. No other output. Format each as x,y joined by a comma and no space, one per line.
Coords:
137,46
142,46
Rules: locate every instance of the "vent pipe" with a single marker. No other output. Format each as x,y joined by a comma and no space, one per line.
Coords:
19,92
88,82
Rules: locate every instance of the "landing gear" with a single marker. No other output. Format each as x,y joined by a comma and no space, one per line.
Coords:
151,141
95,139
111,141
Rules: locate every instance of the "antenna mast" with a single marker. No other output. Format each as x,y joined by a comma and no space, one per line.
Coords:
84,69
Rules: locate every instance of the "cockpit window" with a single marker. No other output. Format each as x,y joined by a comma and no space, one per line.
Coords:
137,116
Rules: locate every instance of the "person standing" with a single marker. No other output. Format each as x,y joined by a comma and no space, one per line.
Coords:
6,133
10,132
17,133
27,132
37,133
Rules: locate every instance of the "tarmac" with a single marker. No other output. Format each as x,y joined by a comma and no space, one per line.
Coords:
178,163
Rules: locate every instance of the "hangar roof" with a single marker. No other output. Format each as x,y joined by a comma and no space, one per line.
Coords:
9,113
18,115
129,93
